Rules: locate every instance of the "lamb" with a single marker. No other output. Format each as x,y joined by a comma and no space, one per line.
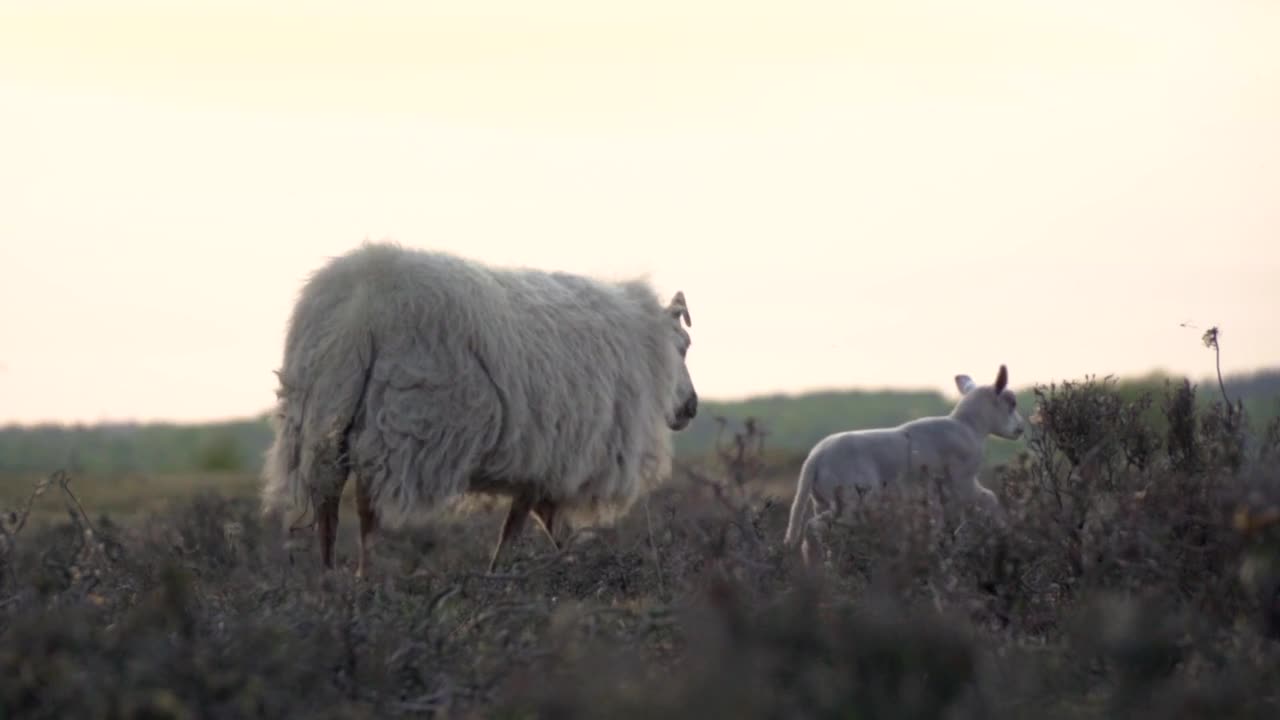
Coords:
866,460
433,378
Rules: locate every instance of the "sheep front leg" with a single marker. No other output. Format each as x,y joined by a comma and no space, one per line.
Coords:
544,511
520,506
988,501
368,524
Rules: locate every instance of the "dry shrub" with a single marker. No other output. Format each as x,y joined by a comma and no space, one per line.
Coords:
1139,577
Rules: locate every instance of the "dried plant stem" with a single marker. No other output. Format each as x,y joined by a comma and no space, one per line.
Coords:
64,481
657,561
1211,340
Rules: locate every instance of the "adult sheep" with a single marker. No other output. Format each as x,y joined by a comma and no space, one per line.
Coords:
430,377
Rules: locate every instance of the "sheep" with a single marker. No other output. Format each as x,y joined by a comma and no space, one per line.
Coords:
432,378
867,460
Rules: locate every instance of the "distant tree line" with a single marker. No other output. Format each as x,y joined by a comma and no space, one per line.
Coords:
129,449
793,423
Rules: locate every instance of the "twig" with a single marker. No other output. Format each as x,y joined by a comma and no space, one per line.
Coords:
441,597
424,704
36,492
604,612
546,564
657,562
64,481
493,611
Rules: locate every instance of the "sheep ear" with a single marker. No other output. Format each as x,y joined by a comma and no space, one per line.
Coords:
679,308
1002,379
964,384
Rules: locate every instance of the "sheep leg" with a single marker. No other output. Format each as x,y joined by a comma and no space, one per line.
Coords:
807,552
812,546
327,529
544,511
985,499
368,524
511,527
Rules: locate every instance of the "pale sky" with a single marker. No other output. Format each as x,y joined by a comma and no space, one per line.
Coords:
850,194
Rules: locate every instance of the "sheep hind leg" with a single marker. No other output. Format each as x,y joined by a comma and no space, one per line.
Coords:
327,529
511,527
368,524
813,546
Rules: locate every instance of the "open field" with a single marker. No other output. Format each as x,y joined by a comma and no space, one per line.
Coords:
792,422
126,500
1128,585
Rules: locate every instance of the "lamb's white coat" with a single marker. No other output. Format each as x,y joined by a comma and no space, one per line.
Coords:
848,464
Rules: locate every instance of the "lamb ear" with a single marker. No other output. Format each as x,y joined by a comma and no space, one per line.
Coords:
964,384
679,308
1002,379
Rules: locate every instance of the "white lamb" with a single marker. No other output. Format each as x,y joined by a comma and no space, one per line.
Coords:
856,462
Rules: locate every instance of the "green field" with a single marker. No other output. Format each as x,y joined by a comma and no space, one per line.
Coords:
793,423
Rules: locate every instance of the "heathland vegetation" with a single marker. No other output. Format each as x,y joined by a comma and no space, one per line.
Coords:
1139,578
792,423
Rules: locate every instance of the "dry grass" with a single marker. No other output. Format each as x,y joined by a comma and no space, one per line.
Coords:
127,499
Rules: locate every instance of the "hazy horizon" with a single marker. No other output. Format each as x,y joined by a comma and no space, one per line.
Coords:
1207,383
851,195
